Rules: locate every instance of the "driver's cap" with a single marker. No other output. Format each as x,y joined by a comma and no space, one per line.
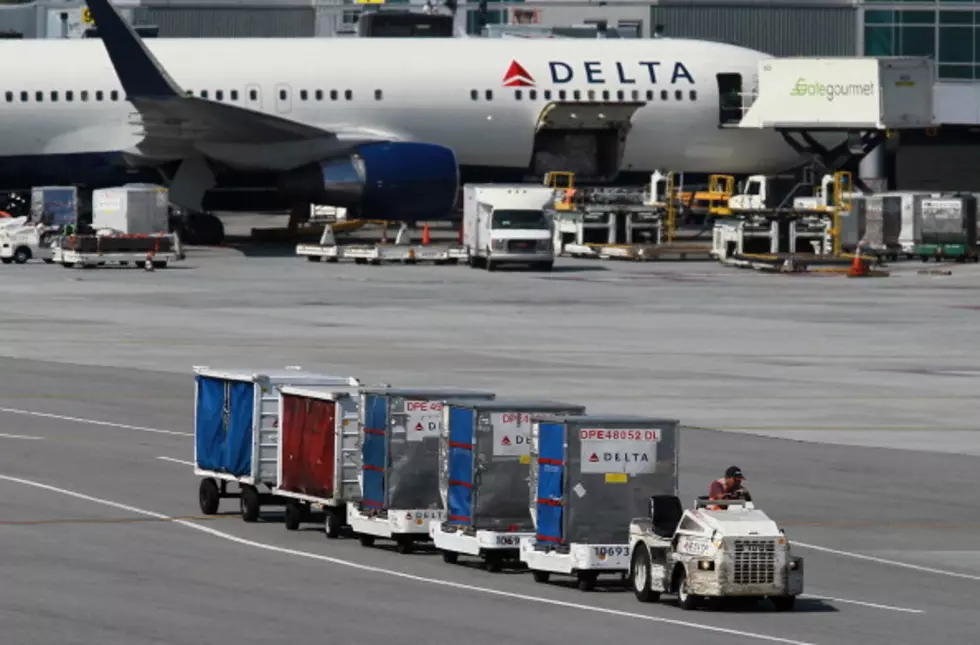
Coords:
734,472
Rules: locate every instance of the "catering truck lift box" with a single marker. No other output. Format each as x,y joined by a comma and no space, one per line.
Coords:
133,209
236,419
318,464
484,466
507,224
590,476
399,433
719,549
843,93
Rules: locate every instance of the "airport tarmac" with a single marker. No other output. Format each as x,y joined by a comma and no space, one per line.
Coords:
848,403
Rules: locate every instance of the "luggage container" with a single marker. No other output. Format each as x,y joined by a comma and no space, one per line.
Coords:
883,223
399,434
236,433
948,229
484,467
318,465
133,209
590,476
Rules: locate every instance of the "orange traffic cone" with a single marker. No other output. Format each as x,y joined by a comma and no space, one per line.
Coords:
858,268
426,238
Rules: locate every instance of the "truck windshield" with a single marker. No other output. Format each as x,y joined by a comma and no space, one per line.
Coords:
519,219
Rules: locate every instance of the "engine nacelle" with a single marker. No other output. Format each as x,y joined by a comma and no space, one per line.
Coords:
403,181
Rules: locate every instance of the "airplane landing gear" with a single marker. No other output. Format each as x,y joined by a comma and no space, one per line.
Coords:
199,229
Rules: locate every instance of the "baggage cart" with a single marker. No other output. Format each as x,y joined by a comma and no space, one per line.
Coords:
236,433
318,465
484,467
399,434
590,476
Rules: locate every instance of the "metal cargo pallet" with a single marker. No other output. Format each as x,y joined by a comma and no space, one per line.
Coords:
377,254
637,252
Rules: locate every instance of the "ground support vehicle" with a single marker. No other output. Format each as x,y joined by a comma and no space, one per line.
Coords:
150,251
328,250
717,550
318,460
484,465
590,476
236,432
399,436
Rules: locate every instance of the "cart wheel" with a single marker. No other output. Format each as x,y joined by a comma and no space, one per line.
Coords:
404,546
294,516
160,264
22,255
685,599
541,576
249,503
450,557
208,496
587,580
332,524
641,576
366,540
784,603
492,562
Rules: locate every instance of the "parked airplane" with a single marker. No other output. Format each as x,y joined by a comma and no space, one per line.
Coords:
385,127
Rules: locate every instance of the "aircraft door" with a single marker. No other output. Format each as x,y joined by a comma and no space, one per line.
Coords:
730,98
284,99
253,97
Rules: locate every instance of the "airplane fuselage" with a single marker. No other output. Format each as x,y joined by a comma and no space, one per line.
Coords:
64,117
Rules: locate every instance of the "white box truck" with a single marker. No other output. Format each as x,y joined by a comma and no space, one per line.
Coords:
133,209
507,224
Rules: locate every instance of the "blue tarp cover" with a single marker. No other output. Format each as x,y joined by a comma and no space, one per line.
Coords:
374,453
223,431
461,436
551,470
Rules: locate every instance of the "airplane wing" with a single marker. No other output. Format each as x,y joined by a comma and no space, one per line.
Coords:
178,126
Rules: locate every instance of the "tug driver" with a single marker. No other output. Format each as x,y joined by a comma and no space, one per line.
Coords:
729,487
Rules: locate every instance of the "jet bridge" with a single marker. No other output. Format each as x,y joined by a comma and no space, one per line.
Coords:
833,110
586,138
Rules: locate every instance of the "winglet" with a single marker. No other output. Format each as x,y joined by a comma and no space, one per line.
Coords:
140,73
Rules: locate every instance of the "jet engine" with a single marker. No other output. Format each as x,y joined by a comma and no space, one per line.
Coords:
404,181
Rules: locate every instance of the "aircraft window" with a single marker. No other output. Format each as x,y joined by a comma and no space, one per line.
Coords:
234,95
23,97
98,95
69,95
333,95
303,95
663,95
694,95
605,95
113,95
253,95
620,95
282,95
10,97
547,95
576,95
83,95
39,96
636,95
54,96
533,94
561,94
489,95
474,95
319,95
348,94
517,95
649,95
377,95
591,95
219,95
204,94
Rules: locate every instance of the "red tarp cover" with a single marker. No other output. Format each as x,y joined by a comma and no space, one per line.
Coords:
307,446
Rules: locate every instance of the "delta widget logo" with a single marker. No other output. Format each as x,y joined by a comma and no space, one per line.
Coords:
517,76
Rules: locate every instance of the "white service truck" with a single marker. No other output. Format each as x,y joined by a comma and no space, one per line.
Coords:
21,241
719,549
507,224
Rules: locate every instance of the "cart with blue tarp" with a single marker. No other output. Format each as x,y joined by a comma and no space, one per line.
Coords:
236,419
590,476
400,463
484,467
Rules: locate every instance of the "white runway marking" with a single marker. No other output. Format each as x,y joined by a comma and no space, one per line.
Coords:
407,576
177,461
863,603
894,563
61,417
18,436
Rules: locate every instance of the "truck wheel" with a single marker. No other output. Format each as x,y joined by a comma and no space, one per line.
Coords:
208,496
541,576
493,562
587,580
404,545
641,575
366,540
450,557
332,524
685,599
249,503
784,603
7,260
22,255
294,516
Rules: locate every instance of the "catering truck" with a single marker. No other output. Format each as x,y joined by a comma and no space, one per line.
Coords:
508,224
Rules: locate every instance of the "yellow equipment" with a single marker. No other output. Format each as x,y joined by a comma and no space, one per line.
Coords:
564,185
